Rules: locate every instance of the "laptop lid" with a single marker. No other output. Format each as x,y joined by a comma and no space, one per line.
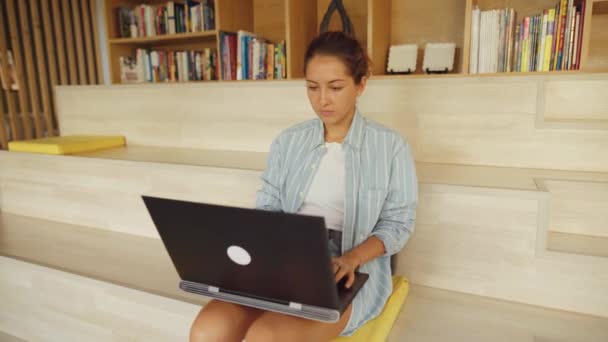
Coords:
267,255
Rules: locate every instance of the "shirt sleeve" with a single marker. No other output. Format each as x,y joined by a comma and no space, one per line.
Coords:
398,215
268,197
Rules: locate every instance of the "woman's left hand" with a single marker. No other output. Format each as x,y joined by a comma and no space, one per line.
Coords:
345,266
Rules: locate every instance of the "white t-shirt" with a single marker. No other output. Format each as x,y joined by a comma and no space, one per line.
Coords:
326,194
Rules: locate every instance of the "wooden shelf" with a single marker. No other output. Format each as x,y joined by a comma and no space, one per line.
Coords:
181,37
378,24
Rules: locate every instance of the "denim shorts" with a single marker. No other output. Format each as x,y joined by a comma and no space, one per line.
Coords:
335,242
335,250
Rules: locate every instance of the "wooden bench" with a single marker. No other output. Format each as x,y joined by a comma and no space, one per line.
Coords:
508,228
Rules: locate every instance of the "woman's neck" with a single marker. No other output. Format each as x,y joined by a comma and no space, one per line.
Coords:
338,131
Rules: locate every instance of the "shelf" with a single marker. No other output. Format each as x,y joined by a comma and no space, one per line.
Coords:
165,38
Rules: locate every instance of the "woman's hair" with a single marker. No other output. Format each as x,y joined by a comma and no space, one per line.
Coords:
342,46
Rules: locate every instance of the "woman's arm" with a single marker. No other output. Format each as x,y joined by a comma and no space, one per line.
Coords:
269,195
396,221
346,264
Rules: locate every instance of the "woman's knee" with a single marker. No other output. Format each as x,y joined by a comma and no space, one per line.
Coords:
221,321
268,330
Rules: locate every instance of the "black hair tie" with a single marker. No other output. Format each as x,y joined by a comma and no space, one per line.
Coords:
347,25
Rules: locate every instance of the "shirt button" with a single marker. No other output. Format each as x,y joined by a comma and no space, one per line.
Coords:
313,166
301,194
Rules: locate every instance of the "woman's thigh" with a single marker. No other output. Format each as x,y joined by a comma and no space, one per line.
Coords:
223,321
271,326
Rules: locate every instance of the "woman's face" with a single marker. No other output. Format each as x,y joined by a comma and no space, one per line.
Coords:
332,90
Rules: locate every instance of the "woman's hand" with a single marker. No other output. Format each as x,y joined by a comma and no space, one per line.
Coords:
345,266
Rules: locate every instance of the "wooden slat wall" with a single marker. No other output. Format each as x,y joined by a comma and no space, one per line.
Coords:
52,43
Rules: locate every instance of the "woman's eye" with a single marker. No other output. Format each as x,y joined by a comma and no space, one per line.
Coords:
312,88
336,88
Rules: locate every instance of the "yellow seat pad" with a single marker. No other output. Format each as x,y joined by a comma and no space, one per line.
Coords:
67,144
377,329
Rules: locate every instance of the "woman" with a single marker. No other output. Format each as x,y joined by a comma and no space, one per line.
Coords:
358,174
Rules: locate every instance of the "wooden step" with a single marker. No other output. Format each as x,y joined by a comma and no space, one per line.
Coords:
479,230
123,285
526,121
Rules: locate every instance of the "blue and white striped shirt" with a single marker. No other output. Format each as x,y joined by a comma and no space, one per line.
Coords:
380,196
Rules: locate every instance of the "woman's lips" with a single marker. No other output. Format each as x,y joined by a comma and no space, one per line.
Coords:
327,112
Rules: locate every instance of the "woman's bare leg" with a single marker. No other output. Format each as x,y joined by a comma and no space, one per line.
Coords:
272,327
223,322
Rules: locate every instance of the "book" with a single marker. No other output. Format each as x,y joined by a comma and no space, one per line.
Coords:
474,57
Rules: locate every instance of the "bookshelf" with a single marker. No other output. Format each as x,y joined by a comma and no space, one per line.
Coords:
291,21
378,24
594,43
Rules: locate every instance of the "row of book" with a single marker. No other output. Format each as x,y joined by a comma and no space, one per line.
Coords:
246,56
544,42
169,66
172,17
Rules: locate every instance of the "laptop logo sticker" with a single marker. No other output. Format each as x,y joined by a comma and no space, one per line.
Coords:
239,255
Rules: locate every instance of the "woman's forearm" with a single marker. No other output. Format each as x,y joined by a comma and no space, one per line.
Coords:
369,250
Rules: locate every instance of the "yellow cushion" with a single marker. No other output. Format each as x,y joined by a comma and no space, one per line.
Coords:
67,145
377,329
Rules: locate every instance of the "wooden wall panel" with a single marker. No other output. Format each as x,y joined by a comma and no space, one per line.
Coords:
26,41
16,45
578,207
43,73
40,34
460,120
35,308
591,104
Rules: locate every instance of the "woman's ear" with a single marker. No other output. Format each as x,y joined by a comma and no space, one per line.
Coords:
361,86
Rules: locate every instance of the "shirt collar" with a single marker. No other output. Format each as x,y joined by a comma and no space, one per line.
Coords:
354,137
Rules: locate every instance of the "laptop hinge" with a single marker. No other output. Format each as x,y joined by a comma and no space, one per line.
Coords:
214,289
296,306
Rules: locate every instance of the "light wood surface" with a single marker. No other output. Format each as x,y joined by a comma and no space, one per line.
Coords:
270,19
42,304
578,244
578,207
95,190
429,173
234,15
475,241
433,315
489,121
597,59
379,33
479,230
185,36
590,104
301,29
98,306
139,263
9,338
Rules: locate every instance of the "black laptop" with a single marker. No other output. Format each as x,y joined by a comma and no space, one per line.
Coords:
268,260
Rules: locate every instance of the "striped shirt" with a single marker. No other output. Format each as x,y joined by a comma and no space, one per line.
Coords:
380,196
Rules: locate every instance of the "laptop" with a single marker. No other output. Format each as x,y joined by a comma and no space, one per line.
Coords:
273,261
